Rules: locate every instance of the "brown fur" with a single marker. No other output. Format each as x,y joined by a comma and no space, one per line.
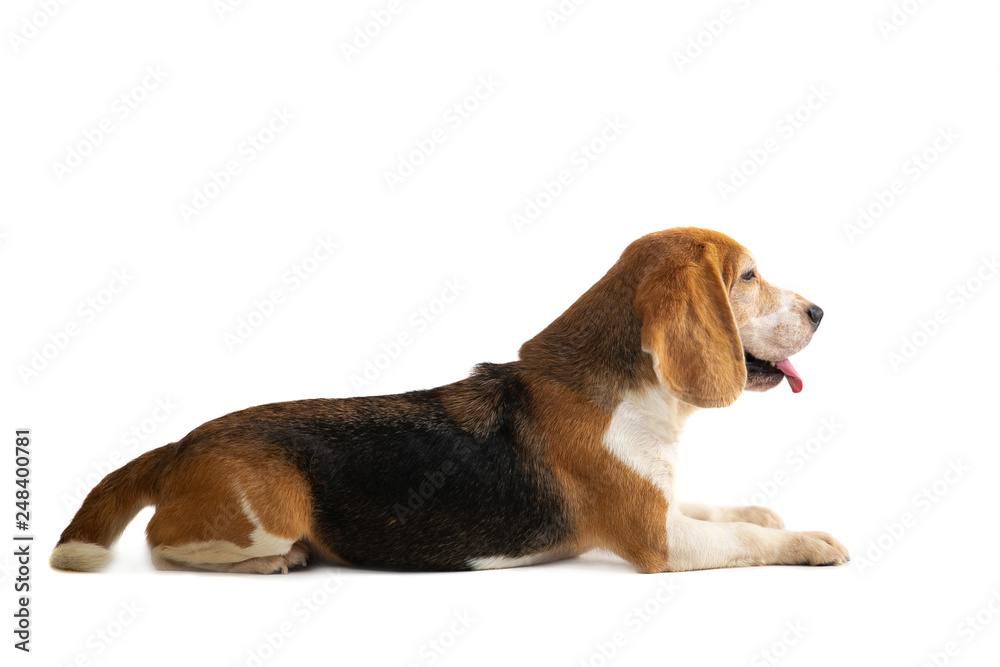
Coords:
210,472
684,306
614,508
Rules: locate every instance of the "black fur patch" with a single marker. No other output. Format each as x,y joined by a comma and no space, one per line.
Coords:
398,483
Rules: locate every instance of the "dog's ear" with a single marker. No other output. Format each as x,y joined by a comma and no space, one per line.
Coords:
689,330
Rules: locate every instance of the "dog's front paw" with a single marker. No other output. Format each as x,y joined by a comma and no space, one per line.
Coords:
758,515
816,548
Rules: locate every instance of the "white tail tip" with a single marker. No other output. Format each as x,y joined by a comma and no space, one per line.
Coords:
80,556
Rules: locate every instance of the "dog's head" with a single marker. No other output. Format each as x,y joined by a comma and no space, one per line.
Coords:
710,323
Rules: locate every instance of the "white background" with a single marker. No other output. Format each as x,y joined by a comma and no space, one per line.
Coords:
899,427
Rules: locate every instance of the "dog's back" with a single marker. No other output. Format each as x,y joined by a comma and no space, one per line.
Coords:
427,480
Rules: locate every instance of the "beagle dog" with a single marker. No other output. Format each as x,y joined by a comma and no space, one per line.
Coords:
570,448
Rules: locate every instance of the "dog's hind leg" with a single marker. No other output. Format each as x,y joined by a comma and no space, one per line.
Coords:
232,522
297,556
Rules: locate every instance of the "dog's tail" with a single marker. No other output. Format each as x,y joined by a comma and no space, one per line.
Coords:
109,507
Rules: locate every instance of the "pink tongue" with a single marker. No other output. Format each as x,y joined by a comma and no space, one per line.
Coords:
794,381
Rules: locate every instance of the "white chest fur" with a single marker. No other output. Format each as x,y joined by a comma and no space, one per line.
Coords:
643,434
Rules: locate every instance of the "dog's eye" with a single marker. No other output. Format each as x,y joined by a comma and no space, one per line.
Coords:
750,274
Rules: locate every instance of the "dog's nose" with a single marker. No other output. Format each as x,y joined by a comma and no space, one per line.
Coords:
815,314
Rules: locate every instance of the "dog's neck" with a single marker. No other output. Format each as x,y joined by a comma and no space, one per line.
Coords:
595,347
